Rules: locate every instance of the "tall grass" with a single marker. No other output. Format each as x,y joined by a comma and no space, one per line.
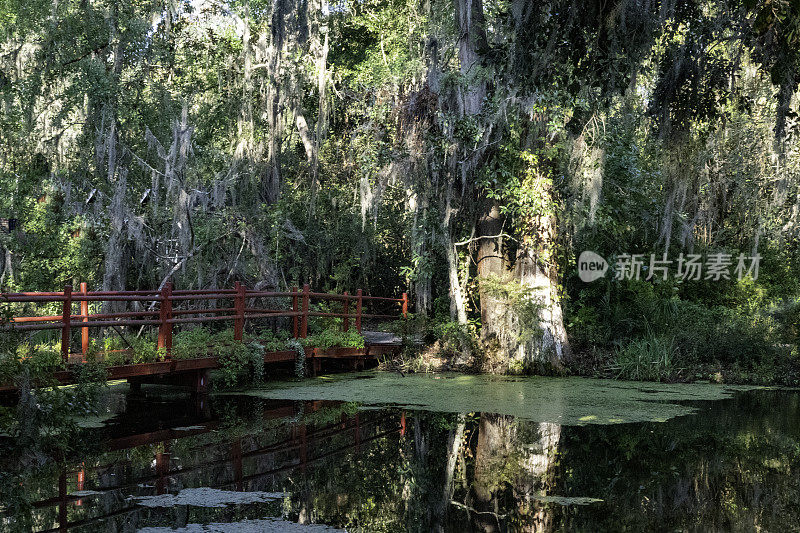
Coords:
651,358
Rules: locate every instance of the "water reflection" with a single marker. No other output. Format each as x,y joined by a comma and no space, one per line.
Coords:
733,466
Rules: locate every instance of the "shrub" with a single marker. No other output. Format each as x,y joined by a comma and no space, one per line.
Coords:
300,360
274,342
36,362
455,338
430,344
256,362
233,360
238,360
742,334
721,335
43,357
330,338
191,343
647,359
145,350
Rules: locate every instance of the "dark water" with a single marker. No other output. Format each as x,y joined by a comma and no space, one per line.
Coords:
732,466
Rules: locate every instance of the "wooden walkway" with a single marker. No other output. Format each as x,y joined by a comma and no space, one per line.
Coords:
168,309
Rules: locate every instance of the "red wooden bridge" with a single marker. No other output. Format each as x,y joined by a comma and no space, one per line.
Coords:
167,309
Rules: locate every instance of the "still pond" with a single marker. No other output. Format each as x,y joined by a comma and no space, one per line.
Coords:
385,452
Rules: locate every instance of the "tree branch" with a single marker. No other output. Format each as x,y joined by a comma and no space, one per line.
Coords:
71,61
473,239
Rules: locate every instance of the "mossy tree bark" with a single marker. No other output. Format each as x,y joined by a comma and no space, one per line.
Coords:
536,271
492,264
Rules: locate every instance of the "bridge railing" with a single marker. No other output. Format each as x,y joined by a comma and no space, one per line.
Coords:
168,307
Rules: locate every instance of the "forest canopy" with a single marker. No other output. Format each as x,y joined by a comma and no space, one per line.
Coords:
467,151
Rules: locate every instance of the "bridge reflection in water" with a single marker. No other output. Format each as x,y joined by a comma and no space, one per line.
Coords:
153,448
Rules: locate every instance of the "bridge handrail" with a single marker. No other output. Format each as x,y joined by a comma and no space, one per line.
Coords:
165,317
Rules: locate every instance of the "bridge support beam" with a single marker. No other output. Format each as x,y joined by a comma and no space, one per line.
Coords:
196,380
201,381
135,385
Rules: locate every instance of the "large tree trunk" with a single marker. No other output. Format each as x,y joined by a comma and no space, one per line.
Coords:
522,323
274,97
547,350
470,94
8,268
116,175
458,301
496,438
322,111
114,274
492,268
455,439
536,271
422,270
522,327
505,461
471,26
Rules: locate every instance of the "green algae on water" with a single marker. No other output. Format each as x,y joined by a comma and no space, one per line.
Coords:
206,497
266,525
566,500
566,401
94,421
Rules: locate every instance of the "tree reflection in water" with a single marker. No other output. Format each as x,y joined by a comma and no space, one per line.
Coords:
733,466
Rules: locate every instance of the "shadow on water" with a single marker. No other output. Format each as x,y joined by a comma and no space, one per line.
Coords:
731,465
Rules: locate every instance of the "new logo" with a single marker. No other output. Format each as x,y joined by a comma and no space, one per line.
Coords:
591,266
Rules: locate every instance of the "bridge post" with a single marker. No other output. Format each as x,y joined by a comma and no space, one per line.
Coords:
62,500
85,315
405,305
359,305
162,469
79,482
236,453
295,307
135,386
238,323
303,447
202,379
165,314
346,321
358,433
304,321
66,316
